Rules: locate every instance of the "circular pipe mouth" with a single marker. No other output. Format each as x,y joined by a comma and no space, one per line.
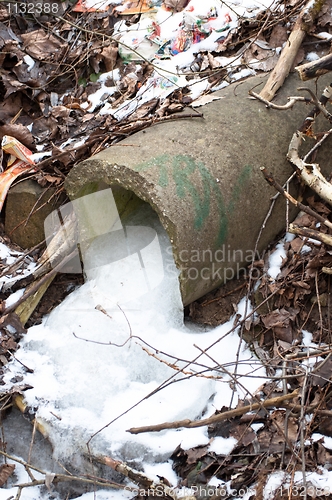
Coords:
203,179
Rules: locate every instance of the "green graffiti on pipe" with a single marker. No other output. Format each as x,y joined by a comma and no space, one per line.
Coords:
180,168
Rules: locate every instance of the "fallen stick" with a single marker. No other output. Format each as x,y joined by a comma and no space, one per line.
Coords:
35,286
319,105
313,69
57,477
289,197
56,250
289,52
25,310
309,172
289,105
134,475
273,402
310,233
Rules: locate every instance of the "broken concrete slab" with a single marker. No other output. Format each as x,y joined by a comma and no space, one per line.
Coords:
27,207
202,176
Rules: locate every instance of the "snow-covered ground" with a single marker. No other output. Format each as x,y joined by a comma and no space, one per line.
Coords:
91,368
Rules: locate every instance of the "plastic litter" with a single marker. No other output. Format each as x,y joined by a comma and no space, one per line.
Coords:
173,33
20,161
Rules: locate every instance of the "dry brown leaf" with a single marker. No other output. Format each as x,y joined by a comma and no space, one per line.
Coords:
13,321
323,374
10,84
9,344
20,133
4,15
53,179
260,58
296,244
244,434
175,5
110,55
40,45
134,7
6,470
318,206
280,322
278,36
278,318
325,17
7,33
204,99
45,128
195,454
62,111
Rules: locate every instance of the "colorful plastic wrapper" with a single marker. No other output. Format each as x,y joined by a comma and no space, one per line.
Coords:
20,161
196,22
16,149
88,6
18,168
136,7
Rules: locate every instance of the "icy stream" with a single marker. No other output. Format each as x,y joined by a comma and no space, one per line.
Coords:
88,372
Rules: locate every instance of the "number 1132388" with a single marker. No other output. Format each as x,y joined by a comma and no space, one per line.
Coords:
34,8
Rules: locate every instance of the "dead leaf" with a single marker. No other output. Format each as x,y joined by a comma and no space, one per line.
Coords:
260,58
13,321
4,14
296,244
325,17
42,46
62,111
10,84
195,454
278,317
45,128
53,179
6,470
318,206
204,99
20,133
244,434
135,7
322,375
175,5
37,76
280,322
6,33
278,36
110,55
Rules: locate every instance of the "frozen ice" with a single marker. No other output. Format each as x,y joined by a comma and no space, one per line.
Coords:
104,358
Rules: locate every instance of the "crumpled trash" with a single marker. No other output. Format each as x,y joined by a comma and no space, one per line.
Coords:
160,35
195,27
21,161
16,150
137,7
141,41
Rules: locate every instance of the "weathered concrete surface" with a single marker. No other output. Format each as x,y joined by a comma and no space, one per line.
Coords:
203,178
22,199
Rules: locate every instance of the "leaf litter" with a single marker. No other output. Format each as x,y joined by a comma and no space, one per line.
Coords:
42,109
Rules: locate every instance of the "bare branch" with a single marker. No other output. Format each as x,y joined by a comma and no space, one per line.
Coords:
273,402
